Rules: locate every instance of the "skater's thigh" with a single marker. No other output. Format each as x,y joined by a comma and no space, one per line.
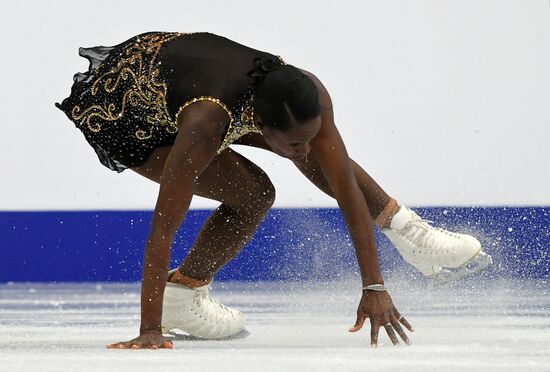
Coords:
235,180
152,168
230,178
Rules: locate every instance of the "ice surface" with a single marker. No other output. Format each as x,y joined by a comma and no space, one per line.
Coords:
299,326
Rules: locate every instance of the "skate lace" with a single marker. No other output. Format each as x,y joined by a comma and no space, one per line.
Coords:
212,309
422,234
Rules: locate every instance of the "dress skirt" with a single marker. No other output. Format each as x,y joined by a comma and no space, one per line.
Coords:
119,104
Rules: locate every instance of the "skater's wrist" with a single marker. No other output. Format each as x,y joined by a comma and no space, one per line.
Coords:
378,287
373,279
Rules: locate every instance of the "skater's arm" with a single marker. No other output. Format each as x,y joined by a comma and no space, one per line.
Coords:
195,146
330,151
337,168
193,150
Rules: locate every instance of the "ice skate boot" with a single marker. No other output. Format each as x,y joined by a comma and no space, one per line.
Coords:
439,254
192,310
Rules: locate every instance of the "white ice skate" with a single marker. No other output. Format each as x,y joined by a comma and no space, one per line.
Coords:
439,254
193,311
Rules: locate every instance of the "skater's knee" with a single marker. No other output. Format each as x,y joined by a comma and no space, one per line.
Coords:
255,197
264,196
261,198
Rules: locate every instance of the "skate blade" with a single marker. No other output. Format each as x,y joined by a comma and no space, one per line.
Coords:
180,336
476,264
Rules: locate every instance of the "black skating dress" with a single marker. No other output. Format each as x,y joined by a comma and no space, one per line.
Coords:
128,102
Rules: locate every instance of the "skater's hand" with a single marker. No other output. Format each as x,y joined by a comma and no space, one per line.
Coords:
151,340
379,308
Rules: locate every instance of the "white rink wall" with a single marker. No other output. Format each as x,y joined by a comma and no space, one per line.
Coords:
443,102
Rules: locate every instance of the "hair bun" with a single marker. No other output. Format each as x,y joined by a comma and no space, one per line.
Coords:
262,68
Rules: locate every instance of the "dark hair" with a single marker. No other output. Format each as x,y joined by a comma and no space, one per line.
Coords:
285,97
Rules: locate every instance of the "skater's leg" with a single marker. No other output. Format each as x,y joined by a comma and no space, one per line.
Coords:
407,231
427,248
381,206
246,194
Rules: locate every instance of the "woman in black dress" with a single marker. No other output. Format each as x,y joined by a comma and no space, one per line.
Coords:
168,104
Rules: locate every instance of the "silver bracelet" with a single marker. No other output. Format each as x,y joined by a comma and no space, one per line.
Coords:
375,287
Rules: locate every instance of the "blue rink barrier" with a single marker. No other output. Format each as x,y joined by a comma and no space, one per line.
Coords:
290,244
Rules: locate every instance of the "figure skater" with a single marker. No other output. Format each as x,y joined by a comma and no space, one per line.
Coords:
167,105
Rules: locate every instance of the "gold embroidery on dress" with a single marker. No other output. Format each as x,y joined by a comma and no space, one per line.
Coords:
137,63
